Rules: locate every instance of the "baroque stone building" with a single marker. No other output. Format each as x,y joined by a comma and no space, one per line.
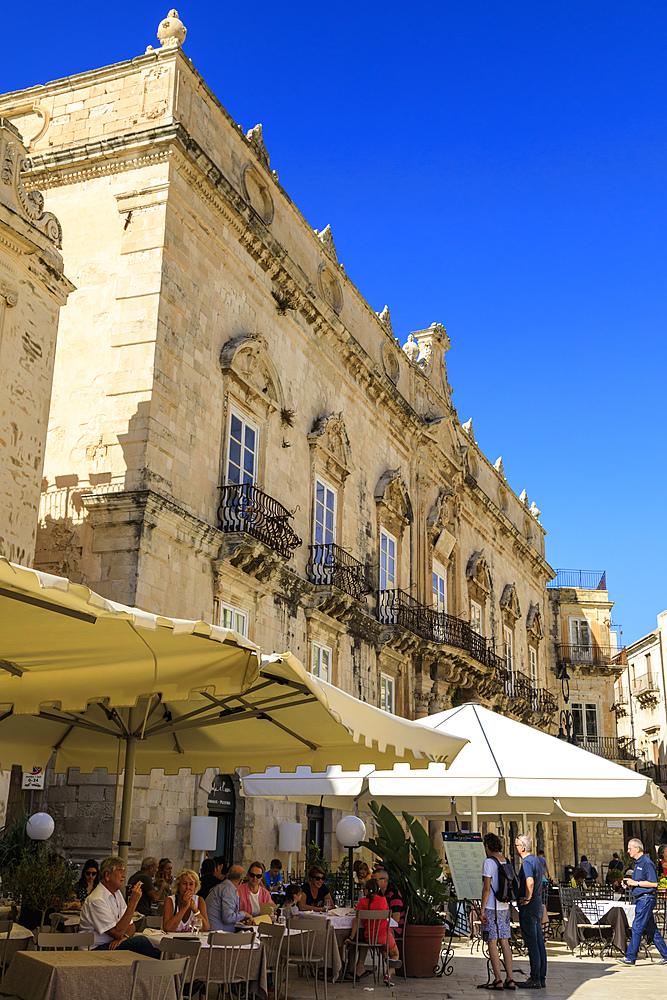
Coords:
237,435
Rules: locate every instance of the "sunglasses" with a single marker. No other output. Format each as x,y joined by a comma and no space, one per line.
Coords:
91,871
318,878
254,874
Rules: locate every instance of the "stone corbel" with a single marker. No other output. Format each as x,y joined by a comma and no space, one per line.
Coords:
9,294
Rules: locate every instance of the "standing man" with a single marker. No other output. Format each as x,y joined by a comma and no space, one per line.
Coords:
106,914
151,891
644,882
530,913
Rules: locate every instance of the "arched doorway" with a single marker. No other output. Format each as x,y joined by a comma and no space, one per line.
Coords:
222,803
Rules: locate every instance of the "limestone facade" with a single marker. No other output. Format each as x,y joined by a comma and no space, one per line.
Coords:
33,287
236,435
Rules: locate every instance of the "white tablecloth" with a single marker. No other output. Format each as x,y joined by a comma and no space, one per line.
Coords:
595,909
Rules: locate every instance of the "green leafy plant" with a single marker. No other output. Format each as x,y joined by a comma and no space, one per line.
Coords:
414,864
14,841
41,879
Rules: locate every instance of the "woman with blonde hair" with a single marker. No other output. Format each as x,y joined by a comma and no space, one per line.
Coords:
185,905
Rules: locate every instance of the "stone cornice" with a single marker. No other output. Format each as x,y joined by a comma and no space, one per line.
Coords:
140,506
540,564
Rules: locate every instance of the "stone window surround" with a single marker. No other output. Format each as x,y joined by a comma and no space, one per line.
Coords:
237,404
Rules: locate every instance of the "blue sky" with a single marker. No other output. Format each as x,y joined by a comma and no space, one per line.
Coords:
495,165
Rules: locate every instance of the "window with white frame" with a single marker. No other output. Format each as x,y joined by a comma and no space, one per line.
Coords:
476,617
585,720
231,617
439,587
321,662
532,658
580,640
508,646
387,693
324,515
387,561
241,451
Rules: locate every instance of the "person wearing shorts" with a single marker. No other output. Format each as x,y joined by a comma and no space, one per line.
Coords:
496,916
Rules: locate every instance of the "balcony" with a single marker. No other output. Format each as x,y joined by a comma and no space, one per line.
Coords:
594,657
618,748
395,607
646,688
246,509
579,579
331,566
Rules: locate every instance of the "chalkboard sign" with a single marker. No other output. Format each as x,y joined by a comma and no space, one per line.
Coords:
465,857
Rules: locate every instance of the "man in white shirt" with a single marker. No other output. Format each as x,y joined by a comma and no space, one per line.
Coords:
106,914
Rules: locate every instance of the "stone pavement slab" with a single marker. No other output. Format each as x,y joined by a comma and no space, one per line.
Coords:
568,977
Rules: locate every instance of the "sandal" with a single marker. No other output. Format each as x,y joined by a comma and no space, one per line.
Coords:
509,984
496,985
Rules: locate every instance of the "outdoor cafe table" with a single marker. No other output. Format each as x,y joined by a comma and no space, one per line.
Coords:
257,962
616,914
341,923
75,975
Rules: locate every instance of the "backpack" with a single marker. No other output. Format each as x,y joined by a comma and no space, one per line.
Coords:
594,873
508,883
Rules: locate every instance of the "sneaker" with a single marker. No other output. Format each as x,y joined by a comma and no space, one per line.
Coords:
388,981
626,961
530,984
663,961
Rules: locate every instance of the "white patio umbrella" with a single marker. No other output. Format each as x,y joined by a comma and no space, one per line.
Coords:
506,768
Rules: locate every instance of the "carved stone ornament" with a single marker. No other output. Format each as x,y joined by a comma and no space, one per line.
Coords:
443,513
247,355
478,573
411,349
498,466
256,140
326,239
534,511
509,601
32,121
10,295
29,204
385,319
534,622
390,363
256,193
330,287
329,437
467,427
171,31
392,492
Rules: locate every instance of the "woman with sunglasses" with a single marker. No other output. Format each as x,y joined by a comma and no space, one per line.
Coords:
316,895
252,893
90,876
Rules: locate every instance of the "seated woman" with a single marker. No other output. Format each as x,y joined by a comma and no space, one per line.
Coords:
372,901
316,896
252,894
184,905
363,873
90,877
293,896
578,880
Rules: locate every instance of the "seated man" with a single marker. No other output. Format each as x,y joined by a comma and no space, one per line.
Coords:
393,898
151,892
223,905
106,914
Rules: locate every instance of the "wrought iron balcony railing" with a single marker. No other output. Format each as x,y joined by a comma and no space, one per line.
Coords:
646,686
580,579
246,508
611,747
546,702
331,566
396,607
656,772
592,656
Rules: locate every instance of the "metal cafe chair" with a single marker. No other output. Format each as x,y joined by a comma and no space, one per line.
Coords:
371,922
158,978
229,959
272,936
187,948
64,942
303,952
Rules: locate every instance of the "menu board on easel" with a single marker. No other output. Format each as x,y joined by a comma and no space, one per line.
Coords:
465,857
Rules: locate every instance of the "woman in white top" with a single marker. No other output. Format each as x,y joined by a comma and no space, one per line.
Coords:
180,908
496,915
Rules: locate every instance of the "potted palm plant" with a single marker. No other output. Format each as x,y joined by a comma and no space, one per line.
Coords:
416,869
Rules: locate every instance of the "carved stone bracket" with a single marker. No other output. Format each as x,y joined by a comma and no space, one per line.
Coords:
250,556
9,294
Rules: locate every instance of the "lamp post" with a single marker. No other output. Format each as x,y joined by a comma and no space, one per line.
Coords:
349,833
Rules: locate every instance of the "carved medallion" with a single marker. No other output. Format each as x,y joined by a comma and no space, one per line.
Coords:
330,287
390,363
257,194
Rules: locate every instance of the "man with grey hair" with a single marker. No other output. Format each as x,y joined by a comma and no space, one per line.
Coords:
530,912
109,917
151,891
644,882
222,903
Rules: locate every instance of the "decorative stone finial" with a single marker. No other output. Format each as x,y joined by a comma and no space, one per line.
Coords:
171,32
534,511
498,466
326,238
385,319
411,349
467,427
524,498
256,140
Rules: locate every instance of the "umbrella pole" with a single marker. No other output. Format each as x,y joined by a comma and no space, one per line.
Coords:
473,814
126,806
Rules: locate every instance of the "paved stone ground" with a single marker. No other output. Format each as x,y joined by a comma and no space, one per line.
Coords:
568,976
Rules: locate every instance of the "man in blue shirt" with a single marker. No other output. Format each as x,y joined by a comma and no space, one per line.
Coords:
222,904
644,882
530,913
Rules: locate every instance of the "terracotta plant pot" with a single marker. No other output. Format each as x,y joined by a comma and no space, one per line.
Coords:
422,950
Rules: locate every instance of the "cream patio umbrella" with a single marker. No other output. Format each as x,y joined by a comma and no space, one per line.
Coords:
107,686
506,768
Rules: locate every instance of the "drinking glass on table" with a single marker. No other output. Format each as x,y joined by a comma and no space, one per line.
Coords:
196,922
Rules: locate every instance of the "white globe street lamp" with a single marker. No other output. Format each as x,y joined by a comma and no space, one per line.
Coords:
350,832
40,826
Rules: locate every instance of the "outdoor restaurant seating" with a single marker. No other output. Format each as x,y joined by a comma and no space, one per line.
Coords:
188,949
161,977
370,932
233,955
272,937
47,941
304,951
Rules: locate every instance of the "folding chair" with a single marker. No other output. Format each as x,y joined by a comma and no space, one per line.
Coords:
188,949
301,948
371,923
65,942
272,936
158,977
232,955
